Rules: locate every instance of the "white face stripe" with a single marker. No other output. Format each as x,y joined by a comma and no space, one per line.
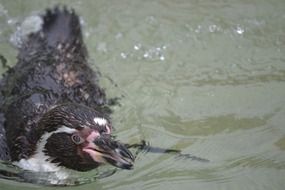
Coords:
38,162
64,129
43,140
41,144
100,121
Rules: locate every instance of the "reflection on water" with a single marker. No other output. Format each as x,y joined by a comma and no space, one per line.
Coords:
203,77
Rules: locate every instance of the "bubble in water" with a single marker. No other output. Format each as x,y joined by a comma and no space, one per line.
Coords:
139,51
214,28
102,47
239,30
137,46
123,55
146,55
162,58
11,21
198,29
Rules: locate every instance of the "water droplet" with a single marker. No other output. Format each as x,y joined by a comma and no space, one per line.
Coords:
146,55
198,29
239,30
10,21
137,47
123,55
162,58
214,28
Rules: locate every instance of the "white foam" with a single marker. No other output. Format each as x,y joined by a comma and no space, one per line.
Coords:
31,24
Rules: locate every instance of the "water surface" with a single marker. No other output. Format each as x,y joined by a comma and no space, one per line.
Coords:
206,77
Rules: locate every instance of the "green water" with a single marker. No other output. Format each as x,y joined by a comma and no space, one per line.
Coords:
206,77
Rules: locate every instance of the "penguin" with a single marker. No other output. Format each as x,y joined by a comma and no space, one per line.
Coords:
53,113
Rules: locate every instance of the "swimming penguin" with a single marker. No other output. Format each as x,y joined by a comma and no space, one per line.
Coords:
54,114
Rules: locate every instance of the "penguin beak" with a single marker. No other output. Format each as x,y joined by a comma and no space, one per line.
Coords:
106,150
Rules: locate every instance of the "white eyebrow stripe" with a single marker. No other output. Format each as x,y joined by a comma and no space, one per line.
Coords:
100,121
45,136
64,129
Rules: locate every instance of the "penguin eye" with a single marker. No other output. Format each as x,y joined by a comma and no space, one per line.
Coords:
77,139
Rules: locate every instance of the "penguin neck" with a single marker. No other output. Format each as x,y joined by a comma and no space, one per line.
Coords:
39,161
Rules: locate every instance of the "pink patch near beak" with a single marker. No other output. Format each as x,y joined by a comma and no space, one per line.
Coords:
93,135
91,146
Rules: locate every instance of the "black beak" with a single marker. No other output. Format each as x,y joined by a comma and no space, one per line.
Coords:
114,152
